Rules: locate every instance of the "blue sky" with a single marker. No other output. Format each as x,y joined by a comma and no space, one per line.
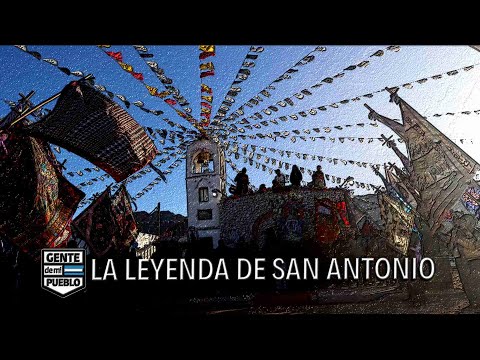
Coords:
21,72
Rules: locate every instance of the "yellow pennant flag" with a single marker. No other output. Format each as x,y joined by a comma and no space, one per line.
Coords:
183,115
152,90
206,88
207,98
162,94
207,66
126,67
104,46
206,111
207,48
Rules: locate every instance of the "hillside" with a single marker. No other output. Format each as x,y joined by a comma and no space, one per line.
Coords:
170,224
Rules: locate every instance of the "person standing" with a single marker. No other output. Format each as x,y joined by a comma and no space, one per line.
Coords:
318,178
242,182
278,182
296,176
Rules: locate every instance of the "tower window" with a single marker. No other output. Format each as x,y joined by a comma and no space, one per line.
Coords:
204,214
203,194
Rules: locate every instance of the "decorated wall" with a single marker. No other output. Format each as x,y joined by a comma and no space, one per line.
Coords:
295,216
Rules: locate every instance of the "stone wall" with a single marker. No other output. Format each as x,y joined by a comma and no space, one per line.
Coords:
294,216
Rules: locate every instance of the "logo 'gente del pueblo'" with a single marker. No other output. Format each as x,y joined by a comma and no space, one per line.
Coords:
63,271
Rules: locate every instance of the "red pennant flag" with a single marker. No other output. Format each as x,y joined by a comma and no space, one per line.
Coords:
115,55
207,105
207,73
170,102
138,76
205,55
206,115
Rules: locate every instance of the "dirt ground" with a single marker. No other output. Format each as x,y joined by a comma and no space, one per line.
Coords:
368,300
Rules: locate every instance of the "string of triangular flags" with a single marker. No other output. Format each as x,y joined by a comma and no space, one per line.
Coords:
264,167
50,61
181,155
242,75
169,135
207,69
91,181
179,126
136,176
304,156
82,172
285,134
117,56
409,85
300,95
287,75
326,129
293,139
232,164
167,82
157,180
465,112
182,133
147,188
79,74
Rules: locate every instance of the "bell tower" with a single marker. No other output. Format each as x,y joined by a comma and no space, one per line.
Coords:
206,184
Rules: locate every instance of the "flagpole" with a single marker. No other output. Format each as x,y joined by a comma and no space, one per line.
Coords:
43,103
158,215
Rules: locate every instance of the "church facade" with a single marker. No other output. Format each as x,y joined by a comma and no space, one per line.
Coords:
304,213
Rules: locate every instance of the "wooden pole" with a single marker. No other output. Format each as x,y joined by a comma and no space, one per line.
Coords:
35,108
43,103
28,97
158,214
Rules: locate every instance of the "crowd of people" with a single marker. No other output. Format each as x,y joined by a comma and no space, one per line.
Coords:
279,183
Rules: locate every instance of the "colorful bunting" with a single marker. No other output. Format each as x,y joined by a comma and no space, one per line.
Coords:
465,112
206,73
241,76
318,157
206,51
335,105
160,74
99,87
328,80
153,91
207,69
265,92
